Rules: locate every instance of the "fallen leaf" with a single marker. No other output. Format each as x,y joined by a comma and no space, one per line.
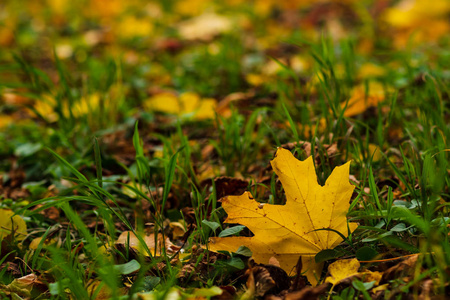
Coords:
373,152
308,130
342,269
178,229
187,105
10,223
413,22
128,238
292,230
22,286
348,268
402,269
204,27
131,27
370,70
101,290
267,278
361,100
35,243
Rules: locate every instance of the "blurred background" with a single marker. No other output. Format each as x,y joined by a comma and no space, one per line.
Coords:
105,60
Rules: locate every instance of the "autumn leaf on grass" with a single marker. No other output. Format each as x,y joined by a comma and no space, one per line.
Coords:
363,99
285,232
129,239
414,22
187,105
204,27
348,268
20,286
10,223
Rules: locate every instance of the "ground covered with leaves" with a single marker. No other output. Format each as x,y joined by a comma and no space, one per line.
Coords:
202,149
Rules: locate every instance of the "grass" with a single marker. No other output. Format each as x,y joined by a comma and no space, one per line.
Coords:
84,160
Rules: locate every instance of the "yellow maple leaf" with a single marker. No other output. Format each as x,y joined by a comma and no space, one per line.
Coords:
286,232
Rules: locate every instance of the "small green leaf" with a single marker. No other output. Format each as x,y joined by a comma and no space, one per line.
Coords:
27,149
128,268
231,231
366,253
244,251
325,255
150,282
210,224
236,262
399,227
362,286
413,219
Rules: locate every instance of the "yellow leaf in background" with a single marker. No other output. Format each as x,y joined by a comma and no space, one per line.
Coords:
369,276
86,105
188,105
189,101
418,20
64,50
206,109
131,27
191,7
204,27
308,130
374,152
359,101
58,6
369,70
341,269
128,238
297,64
289,231
98,8
5,121
164,102
45,106
345,268
35,242
255,79
9,224
416,12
